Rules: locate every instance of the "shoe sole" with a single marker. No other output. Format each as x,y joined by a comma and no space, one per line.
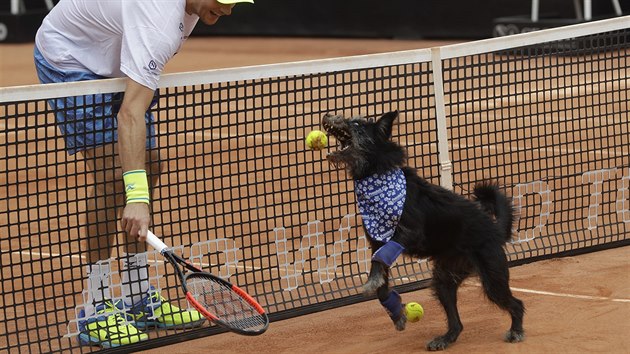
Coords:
86,339
145,325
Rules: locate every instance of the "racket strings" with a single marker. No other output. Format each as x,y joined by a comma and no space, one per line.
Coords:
221,301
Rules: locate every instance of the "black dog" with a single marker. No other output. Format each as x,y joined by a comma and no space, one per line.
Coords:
403,213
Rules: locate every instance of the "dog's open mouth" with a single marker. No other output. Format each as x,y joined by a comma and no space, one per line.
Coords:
336,126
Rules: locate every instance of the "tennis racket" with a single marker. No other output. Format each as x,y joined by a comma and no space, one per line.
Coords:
219,301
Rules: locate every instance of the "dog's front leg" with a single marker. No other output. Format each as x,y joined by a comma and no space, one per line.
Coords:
378,281
382,259
378,278
391,302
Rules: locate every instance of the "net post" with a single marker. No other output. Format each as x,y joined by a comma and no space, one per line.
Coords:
446,167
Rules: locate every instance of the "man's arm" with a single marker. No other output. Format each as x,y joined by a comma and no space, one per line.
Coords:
132,151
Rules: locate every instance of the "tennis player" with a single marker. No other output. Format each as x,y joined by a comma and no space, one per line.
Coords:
115,137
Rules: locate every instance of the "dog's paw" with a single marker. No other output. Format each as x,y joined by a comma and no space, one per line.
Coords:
401,323
514,336
438,343
372,285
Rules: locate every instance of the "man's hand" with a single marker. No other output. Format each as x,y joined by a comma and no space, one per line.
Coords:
135,220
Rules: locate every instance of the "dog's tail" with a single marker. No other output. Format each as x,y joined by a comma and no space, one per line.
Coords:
497,204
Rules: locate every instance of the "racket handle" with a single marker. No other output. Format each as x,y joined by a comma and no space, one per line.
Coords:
155,242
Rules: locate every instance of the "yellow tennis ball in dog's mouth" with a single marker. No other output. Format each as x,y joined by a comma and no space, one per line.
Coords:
414,311
316,140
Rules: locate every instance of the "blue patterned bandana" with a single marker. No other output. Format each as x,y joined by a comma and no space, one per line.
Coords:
381,199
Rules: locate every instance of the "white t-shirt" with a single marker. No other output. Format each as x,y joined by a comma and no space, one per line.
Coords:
115,38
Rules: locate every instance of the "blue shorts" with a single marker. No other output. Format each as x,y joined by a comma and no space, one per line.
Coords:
87,121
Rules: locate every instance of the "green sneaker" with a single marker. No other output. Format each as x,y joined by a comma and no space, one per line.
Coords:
155,311
110,328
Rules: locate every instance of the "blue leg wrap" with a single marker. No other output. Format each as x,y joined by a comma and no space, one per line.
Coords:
393,305
388,253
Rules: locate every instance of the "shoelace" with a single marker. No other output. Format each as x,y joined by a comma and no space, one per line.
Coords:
112,308
109,307
158,297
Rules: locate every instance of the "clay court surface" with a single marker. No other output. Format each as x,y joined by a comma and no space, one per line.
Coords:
576,304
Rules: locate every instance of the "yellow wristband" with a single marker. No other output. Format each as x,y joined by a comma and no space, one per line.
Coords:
136,186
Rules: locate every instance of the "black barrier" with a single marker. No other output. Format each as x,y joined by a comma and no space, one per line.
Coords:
388,19
20,28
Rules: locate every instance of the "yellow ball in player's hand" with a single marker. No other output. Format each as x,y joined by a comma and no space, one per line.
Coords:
316,140
414,312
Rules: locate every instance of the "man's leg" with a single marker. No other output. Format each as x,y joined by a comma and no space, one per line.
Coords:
99,231
105,198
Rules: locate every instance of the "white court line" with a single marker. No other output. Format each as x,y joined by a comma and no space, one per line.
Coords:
517,148
246,268
549,293
584,297
32,254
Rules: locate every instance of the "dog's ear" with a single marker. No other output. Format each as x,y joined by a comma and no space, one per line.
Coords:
386,122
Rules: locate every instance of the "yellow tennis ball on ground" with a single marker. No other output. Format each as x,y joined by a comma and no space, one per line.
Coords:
414,311
316,140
